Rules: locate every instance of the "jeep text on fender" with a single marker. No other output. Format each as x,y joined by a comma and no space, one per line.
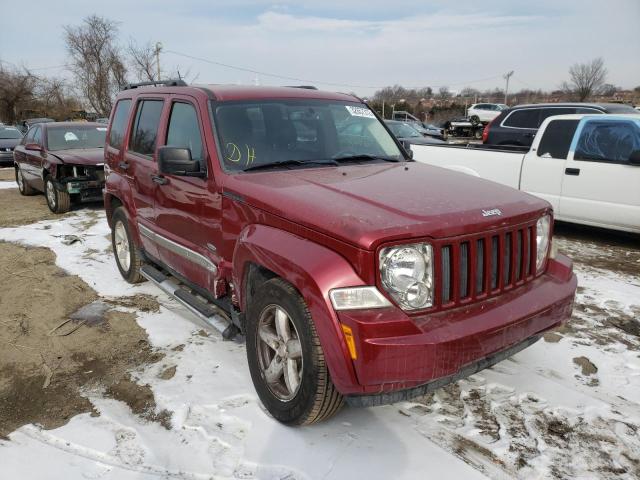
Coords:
355,273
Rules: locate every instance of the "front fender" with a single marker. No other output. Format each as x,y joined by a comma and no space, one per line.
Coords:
313,270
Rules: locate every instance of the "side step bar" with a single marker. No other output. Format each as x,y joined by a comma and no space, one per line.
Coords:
209,314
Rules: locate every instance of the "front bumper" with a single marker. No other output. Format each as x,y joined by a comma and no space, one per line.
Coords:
84,190
6,157
399,353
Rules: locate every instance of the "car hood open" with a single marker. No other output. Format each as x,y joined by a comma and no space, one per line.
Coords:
367,204
80,156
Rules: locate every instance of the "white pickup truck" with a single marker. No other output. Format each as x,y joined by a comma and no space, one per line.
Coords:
586,166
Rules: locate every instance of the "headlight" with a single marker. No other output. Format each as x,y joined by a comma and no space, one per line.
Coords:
543,230
407,274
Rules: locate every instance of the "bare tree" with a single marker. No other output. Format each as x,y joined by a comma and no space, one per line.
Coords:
586,79
54,97
444,93
96,61
17,88
143,61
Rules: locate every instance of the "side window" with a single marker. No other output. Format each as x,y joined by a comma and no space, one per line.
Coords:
145,127
119,123
550,112
608,141
526,118
557,138
28,138
37,135
184,130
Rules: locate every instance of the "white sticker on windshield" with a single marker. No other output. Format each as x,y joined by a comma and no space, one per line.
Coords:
101,129
70,137
360,111
11,128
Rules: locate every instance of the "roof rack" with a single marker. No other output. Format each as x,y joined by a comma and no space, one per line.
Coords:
166,83
306,87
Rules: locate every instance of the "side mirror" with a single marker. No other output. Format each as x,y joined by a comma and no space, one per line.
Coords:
34,147
634,158
407,147
177,161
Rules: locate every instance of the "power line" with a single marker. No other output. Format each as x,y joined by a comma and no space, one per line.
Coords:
306,80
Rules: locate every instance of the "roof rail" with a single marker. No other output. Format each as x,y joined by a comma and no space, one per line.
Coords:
166,83
306,87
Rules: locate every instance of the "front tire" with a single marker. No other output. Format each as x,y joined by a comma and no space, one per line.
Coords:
57,200
124,249
285,357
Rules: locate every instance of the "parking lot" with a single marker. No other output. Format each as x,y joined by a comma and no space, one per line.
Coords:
120,381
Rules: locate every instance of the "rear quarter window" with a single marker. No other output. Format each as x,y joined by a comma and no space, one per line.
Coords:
119,123
526,118
557,138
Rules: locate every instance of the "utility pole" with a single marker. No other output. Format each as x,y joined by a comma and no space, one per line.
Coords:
507,76
158,48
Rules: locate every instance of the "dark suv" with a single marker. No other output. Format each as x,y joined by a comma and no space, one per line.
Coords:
518,125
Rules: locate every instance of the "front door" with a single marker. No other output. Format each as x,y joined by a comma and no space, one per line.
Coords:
601,186
188,209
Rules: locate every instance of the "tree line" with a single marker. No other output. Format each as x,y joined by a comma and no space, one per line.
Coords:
101,66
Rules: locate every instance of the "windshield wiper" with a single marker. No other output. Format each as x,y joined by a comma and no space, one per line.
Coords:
364,156
284,163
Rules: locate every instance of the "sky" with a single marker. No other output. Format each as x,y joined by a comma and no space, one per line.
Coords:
351,46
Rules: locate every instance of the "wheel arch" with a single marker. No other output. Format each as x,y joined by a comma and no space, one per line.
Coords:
264,252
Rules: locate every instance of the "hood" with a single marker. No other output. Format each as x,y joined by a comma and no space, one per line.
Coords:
366,205
80,156
9,143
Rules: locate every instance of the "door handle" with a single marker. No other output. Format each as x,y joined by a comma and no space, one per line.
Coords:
572,171
159,179
123,165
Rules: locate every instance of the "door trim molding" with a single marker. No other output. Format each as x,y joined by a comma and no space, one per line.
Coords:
178,249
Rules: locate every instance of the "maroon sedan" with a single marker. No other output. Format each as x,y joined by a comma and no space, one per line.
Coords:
64,160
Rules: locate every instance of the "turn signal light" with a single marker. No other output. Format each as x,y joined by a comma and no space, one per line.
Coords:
351,344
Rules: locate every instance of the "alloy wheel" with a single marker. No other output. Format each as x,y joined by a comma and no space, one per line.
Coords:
121,241
279,352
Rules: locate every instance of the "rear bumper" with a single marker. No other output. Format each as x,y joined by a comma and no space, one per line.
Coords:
399,353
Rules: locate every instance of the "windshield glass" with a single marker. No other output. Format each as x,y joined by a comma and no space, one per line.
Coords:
402,130
10,132
253,133
75,136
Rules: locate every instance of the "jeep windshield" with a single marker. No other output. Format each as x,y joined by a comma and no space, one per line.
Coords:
299,133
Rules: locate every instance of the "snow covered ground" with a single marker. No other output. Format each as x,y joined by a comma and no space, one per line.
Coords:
569,406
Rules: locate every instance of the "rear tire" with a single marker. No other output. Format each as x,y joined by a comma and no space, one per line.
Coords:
314,397
23,187
126,253
57,200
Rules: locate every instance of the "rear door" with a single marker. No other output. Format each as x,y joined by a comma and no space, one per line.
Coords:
600,186
139,160
544,165
189,209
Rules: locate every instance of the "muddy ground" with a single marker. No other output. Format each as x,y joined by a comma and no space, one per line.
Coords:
58,338
7,174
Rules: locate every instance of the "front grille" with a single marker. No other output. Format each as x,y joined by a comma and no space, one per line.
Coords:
478,266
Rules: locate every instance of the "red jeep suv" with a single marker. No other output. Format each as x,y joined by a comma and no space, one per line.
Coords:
354,273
